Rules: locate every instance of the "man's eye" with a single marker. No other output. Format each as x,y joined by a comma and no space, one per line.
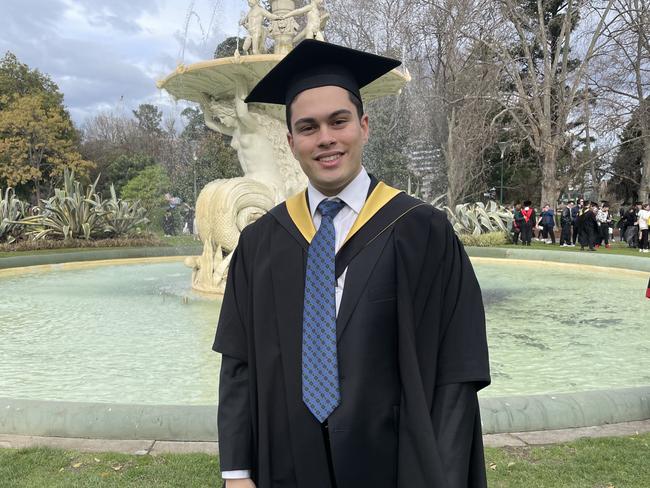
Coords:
305,128
340,121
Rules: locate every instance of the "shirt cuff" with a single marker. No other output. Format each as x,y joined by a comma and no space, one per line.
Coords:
240,474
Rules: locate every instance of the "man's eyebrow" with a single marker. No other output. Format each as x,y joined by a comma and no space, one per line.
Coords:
311,120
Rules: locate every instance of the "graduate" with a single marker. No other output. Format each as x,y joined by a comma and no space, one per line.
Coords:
352,329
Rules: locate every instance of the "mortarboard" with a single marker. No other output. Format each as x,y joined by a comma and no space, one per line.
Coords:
312,64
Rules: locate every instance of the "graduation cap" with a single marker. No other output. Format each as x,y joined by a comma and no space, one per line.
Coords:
527,203
312,64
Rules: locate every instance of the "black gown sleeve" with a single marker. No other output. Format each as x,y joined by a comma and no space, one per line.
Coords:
234,417
463,350
457,425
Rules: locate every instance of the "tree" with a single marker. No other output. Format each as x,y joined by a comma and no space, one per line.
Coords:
149,187
215,159
149,119
126,167
623,82
17,80
628,162
544,77
227,48
37,142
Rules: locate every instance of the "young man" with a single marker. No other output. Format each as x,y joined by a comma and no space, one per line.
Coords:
352,329
604,219
576,214
566,220
547,221
589,227
527,222
517,218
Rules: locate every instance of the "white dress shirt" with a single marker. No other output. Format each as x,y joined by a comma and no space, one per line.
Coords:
354,196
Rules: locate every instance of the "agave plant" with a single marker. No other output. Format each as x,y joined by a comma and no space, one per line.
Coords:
11,211
122,217
478,218
70,213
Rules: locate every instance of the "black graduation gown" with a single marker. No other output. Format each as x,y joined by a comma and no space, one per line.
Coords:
412,353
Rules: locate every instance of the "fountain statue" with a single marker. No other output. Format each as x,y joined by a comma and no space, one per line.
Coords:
257,131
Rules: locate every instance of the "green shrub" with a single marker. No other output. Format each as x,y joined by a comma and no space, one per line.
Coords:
489,239
149,187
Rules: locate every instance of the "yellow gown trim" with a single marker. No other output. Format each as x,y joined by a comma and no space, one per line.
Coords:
299,211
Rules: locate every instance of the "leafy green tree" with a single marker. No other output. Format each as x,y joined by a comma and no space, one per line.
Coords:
215,159
228,47
149,187
18,80
628,161
385,155
37,142
126,167
149,119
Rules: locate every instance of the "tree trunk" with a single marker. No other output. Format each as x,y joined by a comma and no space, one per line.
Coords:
37,189
549,176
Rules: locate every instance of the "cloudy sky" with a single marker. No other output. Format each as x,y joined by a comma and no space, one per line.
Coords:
108,54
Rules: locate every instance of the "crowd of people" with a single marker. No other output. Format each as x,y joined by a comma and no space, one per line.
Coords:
587,224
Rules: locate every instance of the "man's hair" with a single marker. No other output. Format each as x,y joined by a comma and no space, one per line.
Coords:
570,201
355,101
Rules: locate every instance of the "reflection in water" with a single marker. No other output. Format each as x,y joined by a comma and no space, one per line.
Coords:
137,334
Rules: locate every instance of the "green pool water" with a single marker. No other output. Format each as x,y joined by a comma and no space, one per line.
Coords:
137,334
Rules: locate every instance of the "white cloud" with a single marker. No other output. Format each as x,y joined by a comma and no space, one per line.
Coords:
109,54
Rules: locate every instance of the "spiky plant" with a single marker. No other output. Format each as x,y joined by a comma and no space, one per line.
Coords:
478,218
12,210
70,213
122,217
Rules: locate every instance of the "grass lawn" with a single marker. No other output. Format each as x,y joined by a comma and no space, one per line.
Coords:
589,463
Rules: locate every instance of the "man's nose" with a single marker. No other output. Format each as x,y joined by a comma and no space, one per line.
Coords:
326,137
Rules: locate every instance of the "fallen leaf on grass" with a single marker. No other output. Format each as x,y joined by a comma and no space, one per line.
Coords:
97,460
104,474
77,465
61,470
117,468
511,464
493,466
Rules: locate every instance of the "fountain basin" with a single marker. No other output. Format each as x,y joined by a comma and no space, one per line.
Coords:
161,380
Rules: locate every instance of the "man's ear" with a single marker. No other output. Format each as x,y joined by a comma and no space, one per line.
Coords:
290,142
365,127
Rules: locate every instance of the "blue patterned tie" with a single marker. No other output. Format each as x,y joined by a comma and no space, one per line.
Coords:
320,372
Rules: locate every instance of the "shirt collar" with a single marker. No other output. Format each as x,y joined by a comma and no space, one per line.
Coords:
353,195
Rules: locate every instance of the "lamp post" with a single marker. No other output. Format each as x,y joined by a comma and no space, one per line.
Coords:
503,146
195,159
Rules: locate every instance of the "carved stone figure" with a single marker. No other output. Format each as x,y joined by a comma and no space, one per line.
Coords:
316,20
254,24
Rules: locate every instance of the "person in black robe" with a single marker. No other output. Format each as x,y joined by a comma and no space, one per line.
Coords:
410,332
589,232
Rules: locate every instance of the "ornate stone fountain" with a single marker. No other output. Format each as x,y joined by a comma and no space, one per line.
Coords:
258,131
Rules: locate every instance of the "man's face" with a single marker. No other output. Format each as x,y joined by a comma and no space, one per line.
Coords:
328,137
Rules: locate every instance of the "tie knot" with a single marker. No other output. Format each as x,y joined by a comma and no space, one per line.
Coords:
329,208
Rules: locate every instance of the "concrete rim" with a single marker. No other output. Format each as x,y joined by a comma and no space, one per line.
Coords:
198,423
